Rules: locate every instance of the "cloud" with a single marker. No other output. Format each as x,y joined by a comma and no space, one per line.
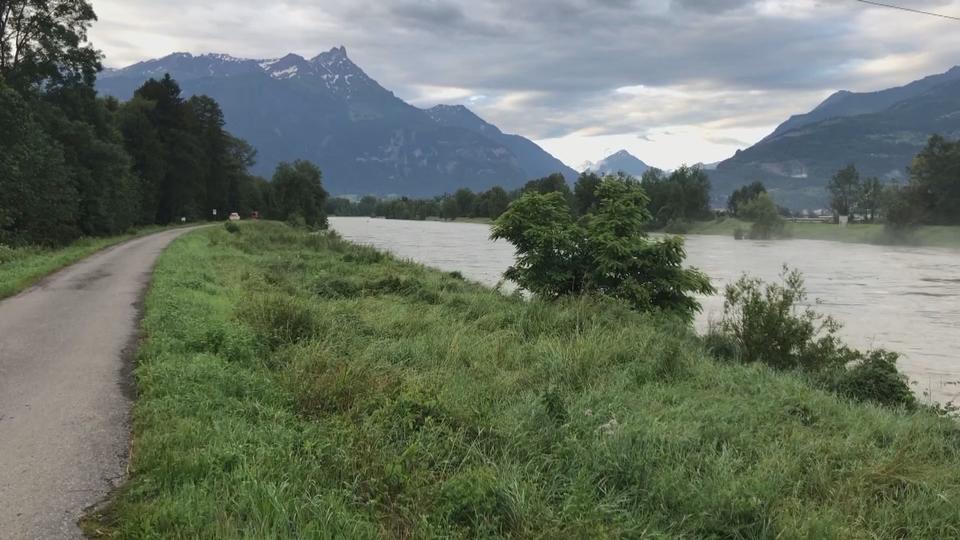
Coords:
550,68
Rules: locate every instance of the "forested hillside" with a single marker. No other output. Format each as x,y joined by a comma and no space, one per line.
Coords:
75,164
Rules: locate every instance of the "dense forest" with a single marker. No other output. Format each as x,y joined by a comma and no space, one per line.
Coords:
74,164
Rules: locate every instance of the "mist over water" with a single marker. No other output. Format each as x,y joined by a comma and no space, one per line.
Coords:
905,299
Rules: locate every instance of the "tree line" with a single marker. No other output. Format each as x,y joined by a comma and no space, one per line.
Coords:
930,196
75,164
682,195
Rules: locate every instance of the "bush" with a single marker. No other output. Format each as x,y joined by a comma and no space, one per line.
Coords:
231,227
605,253
875,378
765,218
768,324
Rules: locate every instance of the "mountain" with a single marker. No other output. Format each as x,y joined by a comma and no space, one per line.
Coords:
622,161
364,138
846,103
533,159
879,132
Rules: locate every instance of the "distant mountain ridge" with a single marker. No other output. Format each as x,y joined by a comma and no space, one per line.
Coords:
846,103
879,132
364,138
621,161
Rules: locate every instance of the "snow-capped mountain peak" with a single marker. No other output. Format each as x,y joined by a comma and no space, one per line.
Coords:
621,161
332,68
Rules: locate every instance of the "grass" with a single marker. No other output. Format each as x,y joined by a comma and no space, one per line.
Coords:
862,233
22,267
297,386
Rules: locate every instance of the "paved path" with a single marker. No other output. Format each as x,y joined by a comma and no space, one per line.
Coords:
66,348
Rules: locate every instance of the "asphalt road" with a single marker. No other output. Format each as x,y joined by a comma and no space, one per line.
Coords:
66,354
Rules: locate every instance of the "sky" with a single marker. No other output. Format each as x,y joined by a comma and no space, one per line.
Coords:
671,81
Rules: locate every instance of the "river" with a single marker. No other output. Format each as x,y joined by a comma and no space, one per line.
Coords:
905,299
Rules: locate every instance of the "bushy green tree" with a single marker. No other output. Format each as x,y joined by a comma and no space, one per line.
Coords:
764,216
585,192
935,182
900,210
298,192
99,167
466,202
683,195
493,202
606,252
44,42
549,184
38,202
744,195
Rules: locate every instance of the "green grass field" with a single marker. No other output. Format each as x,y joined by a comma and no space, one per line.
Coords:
292,385
863,233
22,267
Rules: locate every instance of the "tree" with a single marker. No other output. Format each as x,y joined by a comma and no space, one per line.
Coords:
466,202
38,202
494,202
43,41
683,195
606,253
899,208
871,195
765,216
585,192
744,195
935,181
549,184
844,189
299,193
449,209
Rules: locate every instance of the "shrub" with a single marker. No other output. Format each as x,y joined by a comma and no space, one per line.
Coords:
231,227
768,324
765,218
875,378
739,233
605,253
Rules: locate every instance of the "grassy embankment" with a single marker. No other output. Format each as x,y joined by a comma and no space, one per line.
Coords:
22,267
862,233
297,386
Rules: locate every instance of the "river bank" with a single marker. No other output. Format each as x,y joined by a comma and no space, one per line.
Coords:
906,299
299,385
860,233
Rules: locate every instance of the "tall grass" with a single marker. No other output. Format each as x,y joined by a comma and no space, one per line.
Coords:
297,386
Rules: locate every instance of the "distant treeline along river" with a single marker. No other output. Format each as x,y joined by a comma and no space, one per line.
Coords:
901,298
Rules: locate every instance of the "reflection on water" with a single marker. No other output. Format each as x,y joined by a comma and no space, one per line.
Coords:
902,298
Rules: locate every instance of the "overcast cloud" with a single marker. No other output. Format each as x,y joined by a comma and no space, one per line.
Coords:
672,81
